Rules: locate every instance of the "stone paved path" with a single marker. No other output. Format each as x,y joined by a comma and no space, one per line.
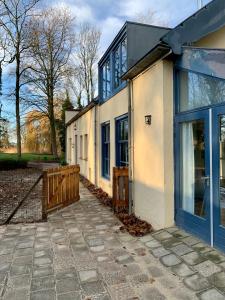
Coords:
80,254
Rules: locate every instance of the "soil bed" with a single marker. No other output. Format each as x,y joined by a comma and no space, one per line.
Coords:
14,184
131,223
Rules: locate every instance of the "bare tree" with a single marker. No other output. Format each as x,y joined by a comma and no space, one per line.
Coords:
151,17
75,83
52,41
87,56
15,15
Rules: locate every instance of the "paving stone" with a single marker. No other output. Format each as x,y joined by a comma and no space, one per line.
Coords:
182,270
159,252
170,260
4,267
41,271
92,288
155,271
28,260
23,252
163,235
43,295
218,280
146,238
215,257
171,242
197,283
70,296
153,244
202,248
171,229
190,241
211,294
42,283
122,291
20,270
44,260
67,285
16,294
152,293
97,248
207,268
180,234
193,258
181,249
20,281
95,242
70,273
88,276
124,259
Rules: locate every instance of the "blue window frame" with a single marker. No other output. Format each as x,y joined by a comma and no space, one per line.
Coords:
106,150
115,65
122,141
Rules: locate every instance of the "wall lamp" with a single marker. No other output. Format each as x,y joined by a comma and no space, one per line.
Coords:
148,120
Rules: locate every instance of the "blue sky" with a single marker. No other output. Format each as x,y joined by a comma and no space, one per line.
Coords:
110,15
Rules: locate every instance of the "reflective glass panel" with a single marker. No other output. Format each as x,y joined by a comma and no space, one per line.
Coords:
222,170
193,180
197,90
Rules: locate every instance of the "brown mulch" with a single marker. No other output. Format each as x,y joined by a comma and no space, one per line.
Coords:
131,223
14,184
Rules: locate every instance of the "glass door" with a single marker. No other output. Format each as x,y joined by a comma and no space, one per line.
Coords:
219,177
193,173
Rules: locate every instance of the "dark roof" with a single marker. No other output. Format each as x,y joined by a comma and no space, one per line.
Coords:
208,19
122,32
82,112
205,21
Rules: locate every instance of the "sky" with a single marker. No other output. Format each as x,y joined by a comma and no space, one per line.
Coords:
110,15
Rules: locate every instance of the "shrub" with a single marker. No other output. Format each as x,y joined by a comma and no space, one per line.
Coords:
12,164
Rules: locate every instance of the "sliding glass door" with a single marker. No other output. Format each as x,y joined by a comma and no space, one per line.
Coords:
193,173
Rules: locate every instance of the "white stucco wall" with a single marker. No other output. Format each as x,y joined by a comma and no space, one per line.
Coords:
109,111
153,146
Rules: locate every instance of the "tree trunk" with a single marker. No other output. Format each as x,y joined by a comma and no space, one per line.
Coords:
52,127
17,94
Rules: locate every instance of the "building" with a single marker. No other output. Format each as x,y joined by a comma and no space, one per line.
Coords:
161,111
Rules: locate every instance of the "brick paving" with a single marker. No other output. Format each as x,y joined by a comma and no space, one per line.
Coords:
81,254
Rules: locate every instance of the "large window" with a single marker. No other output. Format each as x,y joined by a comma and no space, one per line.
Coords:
111,76
86,146
106,150
81,147
106,79
199,90
122,142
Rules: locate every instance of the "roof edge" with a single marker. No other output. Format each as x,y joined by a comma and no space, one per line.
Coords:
82,112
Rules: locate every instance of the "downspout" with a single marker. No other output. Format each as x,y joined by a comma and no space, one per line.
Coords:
95,145
130,146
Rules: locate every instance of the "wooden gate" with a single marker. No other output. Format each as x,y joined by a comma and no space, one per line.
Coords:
120,189
60,188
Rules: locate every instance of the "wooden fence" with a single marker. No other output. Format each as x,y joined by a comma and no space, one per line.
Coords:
60,188
120,188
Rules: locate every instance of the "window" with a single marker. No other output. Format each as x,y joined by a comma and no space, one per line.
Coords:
111,76
106,79
122,142
117,68
86,146
75,148
199,90
81,147
106,150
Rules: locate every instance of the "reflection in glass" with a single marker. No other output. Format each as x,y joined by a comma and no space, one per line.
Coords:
193,167
222,169
198,90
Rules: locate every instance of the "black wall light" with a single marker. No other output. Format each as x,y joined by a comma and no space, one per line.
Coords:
148,120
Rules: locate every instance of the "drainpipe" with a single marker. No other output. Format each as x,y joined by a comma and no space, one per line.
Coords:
95,145
130,146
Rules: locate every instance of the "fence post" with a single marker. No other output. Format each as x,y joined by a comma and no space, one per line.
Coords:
45,195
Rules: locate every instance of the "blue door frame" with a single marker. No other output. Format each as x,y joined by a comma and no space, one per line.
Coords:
194,224
218,229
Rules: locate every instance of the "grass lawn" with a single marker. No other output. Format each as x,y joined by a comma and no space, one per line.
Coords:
26,157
